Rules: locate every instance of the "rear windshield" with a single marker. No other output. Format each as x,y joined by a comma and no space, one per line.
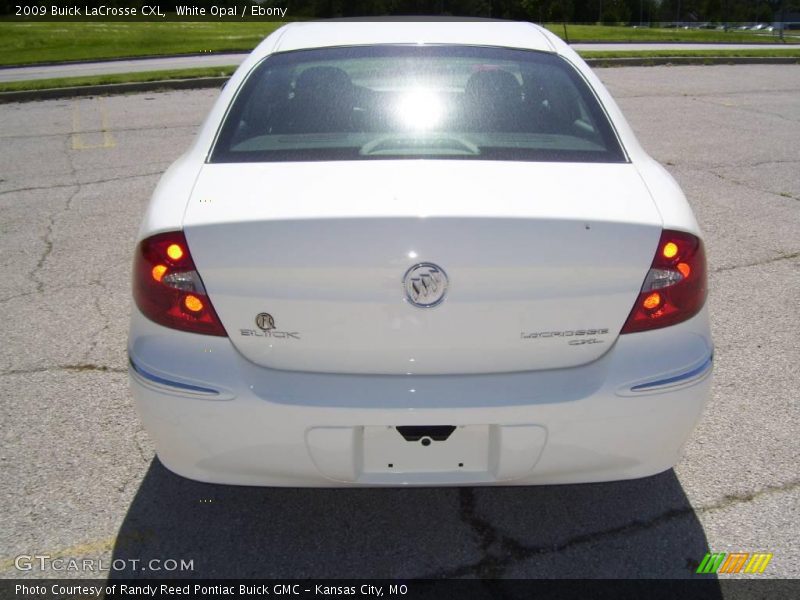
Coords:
385,102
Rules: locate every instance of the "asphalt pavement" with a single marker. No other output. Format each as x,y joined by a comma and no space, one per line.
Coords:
164,63
78,474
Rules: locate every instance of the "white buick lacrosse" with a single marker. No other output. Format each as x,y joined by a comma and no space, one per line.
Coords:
425,253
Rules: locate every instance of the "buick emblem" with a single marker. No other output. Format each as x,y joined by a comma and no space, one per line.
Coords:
265,321
425,284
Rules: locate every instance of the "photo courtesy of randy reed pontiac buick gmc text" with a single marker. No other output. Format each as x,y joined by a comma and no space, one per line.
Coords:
153,590
418,253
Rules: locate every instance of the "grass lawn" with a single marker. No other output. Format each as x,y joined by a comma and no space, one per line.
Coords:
607,33
32,42
25,43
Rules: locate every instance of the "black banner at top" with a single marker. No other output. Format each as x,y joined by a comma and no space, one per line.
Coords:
148,11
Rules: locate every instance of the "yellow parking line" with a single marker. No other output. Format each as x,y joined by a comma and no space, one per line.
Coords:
77,136
76,551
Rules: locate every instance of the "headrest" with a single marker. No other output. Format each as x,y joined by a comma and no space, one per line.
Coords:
323,80
496,84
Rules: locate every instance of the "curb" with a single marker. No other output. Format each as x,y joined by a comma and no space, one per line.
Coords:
212,82
775,40
641,61
113,88
145,57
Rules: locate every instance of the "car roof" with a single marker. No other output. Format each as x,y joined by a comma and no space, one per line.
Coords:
478,32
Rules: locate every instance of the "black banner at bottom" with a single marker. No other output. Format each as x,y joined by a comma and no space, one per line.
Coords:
295,589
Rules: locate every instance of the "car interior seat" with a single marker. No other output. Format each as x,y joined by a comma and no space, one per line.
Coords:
493,101
323,102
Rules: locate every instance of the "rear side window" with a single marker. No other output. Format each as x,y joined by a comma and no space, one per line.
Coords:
385,102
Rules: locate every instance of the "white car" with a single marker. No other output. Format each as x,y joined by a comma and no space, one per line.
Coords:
418,253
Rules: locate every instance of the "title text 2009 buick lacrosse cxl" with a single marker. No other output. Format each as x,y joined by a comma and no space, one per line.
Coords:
418,254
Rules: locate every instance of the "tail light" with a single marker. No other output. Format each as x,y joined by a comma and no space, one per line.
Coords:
675,287
167,288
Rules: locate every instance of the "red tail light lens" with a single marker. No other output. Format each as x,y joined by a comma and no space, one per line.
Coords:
167,288
675,287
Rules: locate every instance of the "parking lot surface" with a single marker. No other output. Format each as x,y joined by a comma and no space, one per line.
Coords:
78,474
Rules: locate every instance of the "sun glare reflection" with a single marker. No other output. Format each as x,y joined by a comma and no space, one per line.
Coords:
420,108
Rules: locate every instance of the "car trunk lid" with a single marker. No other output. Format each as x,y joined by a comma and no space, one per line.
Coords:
544,261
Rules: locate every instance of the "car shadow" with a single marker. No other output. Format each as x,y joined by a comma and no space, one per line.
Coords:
643,528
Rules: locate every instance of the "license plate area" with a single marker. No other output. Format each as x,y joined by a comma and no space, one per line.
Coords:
416,449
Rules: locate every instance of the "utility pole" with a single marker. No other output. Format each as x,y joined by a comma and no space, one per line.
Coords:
783,18
725,15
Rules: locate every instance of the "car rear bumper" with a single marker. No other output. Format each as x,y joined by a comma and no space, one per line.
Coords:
216,417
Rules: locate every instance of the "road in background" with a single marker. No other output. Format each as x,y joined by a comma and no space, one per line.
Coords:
133,65
78,474
138,65
644,47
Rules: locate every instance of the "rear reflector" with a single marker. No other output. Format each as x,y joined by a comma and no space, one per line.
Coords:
168,289
675,287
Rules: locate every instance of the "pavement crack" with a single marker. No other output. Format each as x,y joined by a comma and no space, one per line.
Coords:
116,129
75,368
752,187
758,263
744,497
49,291
18,296
498,550
768,162
708,168
82,183
488,567
515,552
739,107
47,239
95,338
147,457
662,94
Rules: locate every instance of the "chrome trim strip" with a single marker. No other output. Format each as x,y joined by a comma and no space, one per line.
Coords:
696,372
168,382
